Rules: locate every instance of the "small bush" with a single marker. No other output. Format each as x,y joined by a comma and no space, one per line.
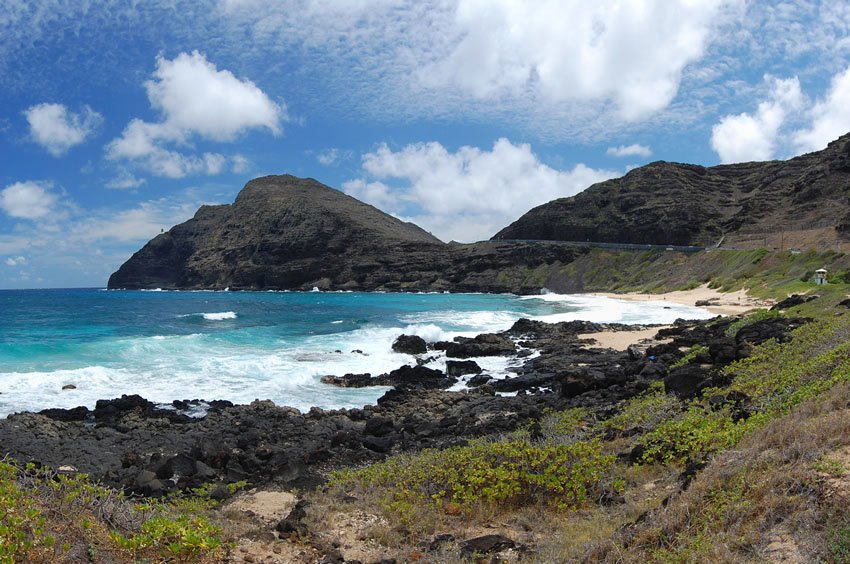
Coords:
504,473
839,544
691,355
699,432
645,411
760,315
184,538
22,525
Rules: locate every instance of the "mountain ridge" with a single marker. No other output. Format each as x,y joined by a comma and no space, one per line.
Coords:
684,204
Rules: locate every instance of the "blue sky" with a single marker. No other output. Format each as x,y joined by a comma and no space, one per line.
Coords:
118,119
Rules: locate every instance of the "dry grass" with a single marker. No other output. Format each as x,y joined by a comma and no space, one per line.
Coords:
762,501
364,530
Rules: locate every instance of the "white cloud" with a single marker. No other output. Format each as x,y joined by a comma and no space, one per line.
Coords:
561,68
631,53
27,200
634,150
125,181
333,156
15,261
85,246
469,194
239,164
196,100
140,223
56,129
753,137
830,116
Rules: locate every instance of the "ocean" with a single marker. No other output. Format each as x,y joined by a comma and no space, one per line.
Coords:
242,346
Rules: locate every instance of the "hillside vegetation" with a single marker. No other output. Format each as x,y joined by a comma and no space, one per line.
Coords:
763,273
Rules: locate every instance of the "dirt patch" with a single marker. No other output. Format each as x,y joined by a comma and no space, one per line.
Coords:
269,507
782,547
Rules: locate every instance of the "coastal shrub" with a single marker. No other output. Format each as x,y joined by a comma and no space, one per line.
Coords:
644,411
45,513
780,377
839,543
502,473
694,435
690,356
22,525
759,315
565,425
184,538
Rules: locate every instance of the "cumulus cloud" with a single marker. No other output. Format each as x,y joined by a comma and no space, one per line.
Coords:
196,101
634,150
631,53
753,137
56,129
830,117
28,200
15,261
465,195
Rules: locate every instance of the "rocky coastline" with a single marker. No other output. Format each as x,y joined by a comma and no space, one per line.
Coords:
132,444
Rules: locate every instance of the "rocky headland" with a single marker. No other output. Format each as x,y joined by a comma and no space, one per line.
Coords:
284,232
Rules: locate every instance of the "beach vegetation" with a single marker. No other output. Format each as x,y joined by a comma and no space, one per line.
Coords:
693,354
508,473
48,516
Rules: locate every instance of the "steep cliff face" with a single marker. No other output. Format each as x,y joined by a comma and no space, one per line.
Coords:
284,232
680,204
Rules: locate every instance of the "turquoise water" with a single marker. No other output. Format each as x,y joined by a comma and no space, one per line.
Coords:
242,346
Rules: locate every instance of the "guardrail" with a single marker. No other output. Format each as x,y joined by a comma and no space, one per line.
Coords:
614,246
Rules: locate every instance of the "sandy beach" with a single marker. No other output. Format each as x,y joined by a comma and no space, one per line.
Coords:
621,340
731,303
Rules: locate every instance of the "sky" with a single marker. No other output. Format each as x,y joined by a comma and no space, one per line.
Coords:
118,119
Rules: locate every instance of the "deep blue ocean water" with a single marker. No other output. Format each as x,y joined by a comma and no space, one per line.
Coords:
242,346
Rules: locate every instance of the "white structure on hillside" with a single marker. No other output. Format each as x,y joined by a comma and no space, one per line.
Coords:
820,276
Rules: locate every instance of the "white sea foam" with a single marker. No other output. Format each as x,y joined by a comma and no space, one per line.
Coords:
600,309
475,321
214,316
219,316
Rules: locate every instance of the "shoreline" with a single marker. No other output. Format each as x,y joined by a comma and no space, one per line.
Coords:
729,303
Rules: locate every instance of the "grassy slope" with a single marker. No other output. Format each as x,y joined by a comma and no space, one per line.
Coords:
764,273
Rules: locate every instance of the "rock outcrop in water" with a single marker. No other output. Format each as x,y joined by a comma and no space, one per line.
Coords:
803,201
284,232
